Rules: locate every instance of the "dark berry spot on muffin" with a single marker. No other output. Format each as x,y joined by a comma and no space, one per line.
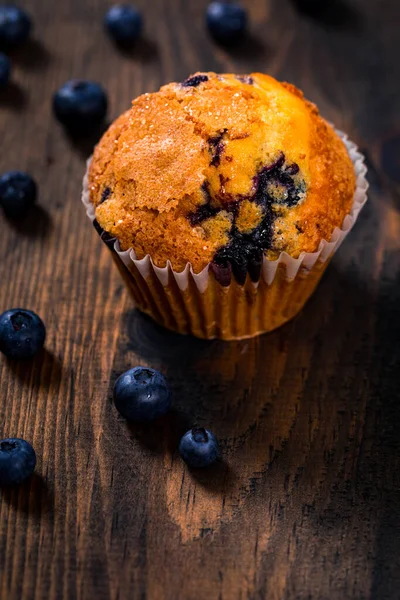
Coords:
105,195
216,147
245,79
222,181
254,265
205,188
233,207
195,81
277,164
204,211
245,251
277,185
233,256
274,185
222,273
296,193
299,229
293,169
242,254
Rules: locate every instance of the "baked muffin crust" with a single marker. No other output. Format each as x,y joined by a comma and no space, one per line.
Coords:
223,169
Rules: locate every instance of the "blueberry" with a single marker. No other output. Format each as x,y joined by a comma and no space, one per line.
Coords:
124,23
195,81
142,394
18,193
227,22
15,26
80,105
22,333
199,448
202,213
106,193
5,70
17,461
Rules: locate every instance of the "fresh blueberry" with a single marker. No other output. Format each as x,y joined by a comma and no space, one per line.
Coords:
17,461
22,333
226,21
5,70
199,448
18,193
142,394
124,23
80,105
15,26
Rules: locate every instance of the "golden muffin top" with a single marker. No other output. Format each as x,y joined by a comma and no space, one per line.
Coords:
223,169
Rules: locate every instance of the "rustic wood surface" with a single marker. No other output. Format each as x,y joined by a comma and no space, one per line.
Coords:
306,504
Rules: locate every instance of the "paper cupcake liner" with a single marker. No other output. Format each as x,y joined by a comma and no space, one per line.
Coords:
212,304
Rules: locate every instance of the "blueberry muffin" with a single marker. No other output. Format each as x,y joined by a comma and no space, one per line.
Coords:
221,171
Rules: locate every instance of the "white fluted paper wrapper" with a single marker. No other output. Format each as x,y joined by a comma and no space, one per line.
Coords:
305,261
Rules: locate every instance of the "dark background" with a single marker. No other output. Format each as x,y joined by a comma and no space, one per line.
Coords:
306,504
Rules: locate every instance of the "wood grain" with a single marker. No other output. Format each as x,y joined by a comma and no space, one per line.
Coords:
305,504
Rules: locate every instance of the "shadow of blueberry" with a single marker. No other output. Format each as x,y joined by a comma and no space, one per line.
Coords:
13,97
335,14
143,50
32,55
41,371
218,478
383,178
155,343
163,435
198,394
85,141
31,497
248,47
390,158
35,224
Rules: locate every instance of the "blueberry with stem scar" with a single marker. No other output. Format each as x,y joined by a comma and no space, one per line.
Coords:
142,394
199,448
22,333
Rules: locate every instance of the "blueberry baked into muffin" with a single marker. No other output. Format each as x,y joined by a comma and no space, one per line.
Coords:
223,173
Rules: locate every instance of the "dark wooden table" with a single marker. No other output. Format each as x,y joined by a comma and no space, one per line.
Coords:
306,504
